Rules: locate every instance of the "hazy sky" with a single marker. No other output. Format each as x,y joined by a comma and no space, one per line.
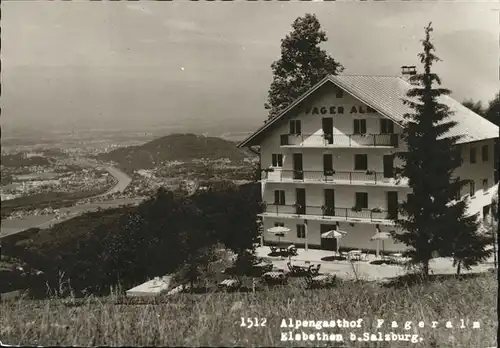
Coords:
206,65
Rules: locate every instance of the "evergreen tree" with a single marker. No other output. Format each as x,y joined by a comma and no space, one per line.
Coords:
477,107
302,64
433,223
492,113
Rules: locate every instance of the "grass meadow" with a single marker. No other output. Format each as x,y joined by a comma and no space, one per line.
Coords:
214,319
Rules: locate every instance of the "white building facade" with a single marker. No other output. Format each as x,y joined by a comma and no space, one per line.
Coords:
328,161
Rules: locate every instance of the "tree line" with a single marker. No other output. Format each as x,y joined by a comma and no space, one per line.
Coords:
172,232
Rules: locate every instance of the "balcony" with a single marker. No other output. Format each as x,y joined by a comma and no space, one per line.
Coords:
340,140
331,176
327,213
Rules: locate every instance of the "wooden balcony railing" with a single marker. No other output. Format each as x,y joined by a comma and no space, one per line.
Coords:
373,214
280,175
341,140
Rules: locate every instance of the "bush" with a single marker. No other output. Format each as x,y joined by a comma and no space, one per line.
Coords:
167,233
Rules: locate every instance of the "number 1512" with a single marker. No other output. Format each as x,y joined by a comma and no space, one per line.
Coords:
253,322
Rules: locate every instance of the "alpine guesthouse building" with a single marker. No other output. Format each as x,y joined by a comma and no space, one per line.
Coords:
328,161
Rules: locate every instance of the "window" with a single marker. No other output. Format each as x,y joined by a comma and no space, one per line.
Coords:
359,126
361,200
339,93
328,164
279,224
360,162
484,153
472,155
295,127
458,194
485,184
386,126
279,197
409,197
277,160
301,231
472,188
486,212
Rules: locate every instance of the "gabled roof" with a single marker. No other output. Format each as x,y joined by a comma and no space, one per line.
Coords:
385,94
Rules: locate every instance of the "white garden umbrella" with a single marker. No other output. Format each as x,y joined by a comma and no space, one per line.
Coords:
383,236
279,231
337,234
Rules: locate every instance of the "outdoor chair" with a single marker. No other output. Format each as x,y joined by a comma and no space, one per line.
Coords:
314,270
292,250
297,270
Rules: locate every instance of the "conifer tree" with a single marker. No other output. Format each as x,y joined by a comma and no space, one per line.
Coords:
433,222
302,64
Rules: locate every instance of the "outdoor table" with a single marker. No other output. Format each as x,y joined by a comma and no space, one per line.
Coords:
274,274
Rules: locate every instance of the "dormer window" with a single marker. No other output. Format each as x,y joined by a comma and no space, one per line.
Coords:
295,127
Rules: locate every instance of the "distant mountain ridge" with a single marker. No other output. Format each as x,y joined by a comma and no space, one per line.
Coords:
176,147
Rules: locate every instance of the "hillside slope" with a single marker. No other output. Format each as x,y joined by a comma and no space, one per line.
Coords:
175,147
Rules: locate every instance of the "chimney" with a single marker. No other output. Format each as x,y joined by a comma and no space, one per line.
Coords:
408,72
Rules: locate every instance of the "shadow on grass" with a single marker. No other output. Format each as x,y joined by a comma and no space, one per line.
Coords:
333,258
277,254
416,279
